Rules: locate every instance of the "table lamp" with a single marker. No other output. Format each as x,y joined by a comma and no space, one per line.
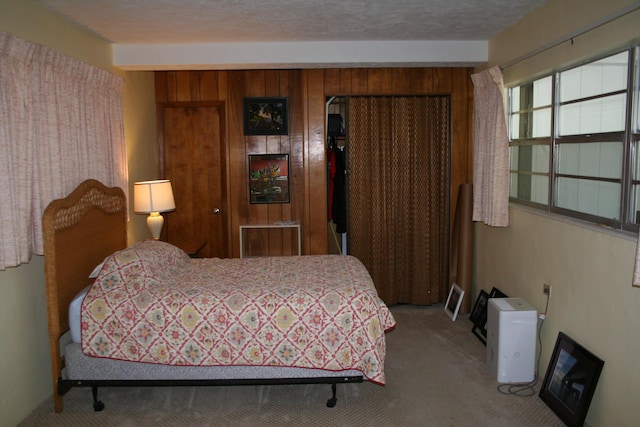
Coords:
153,197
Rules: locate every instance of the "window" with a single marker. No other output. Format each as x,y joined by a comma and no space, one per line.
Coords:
573,144
530,135
634,202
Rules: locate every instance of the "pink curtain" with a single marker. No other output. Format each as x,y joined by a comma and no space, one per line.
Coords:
490,150
60,123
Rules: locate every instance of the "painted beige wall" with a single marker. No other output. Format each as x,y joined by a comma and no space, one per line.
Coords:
139,106
589,268
24,354
552,22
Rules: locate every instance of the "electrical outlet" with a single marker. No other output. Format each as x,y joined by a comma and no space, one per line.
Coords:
546,289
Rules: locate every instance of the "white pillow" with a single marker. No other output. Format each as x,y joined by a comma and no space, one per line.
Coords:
96,271
75,323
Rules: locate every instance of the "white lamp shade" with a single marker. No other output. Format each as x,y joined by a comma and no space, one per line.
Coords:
153,196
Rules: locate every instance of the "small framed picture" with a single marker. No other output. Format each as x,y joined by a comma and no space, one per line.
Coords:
266,116
454,300
269,178
570,380
479,316
480,307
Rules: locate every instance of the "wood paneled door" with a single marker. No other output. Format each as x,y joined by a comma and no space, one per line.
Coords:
192,156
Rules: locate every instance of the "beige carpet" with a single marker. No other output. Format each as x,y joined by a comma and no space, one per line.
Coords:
436,376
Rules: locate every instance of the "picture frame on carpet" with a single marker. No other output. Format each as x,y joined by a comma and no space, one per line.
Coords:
480,307
452,306
570,380
479,328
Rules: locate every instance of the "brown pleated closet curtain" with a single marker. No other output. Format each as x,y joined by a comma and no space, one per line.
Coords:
398,194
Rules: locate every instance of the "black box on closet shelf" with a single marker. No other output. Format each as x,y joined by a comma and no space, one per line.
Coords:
335,126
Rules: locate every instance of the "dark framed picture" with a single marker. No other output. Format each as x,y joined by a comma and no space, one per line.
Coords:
269,178
266,116
570,380
480,307
454,300
480,317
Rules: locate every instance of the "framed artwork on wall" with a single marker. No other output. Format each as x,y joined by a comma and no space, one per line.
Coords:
570,380
265,116
269,178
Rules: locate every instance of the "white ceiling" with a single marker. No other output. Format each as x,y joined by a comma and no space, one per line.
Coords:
183,32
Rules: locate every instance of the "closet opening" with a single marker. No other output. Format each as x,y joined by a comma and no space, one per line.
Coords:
336,143
391,157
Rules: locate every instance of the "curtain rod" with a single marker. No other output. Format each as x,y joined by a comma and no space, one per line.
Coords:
600,22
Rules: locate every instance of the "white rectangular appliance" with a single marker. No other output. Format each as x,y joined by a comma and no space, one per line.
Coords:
511,339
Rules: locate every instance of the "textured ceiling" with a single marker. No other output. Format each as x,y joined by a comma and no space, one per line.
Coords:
217,21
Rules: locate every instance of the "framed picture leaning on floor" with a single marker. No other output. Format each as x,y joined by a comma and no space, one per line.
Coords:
570,380
453,301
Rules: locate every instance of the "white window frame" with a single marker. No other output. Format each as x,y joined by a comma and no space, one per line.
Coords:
626,219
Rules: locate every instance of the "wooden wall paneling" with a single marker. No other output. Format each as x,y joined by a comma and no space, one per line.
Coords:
380,81
345,81
272,83
208,81
258,244
461,129
218,79
332,81
401,81
443,80
296,150
305,143
288,236
273,145
195,85
238,191
359,81
306,163
221,80
160,86
171,86
421,81
317,224
162,90
183,85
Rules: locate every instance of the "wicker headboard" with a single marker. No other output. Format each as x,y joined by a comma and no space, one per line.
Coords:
79,232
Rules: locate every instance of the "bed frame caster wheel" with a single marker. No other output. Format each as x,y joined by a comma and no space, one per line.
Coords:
97,405
332,402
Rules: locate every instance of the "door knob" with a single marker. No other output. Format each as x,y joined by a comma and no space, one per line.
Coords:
216,211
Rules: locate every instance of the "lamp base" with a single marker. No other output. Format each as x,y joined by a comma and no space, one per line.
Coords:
155,221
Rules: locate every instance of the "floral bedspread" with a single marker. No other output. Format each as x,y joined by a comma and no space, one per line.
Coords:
152,303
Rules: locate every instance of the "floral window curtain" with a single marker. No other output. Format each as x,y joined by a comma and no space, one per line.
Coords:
60,123
490,150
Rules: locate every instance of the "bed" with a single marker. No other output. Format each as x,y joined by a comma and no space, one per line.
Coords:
150,316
